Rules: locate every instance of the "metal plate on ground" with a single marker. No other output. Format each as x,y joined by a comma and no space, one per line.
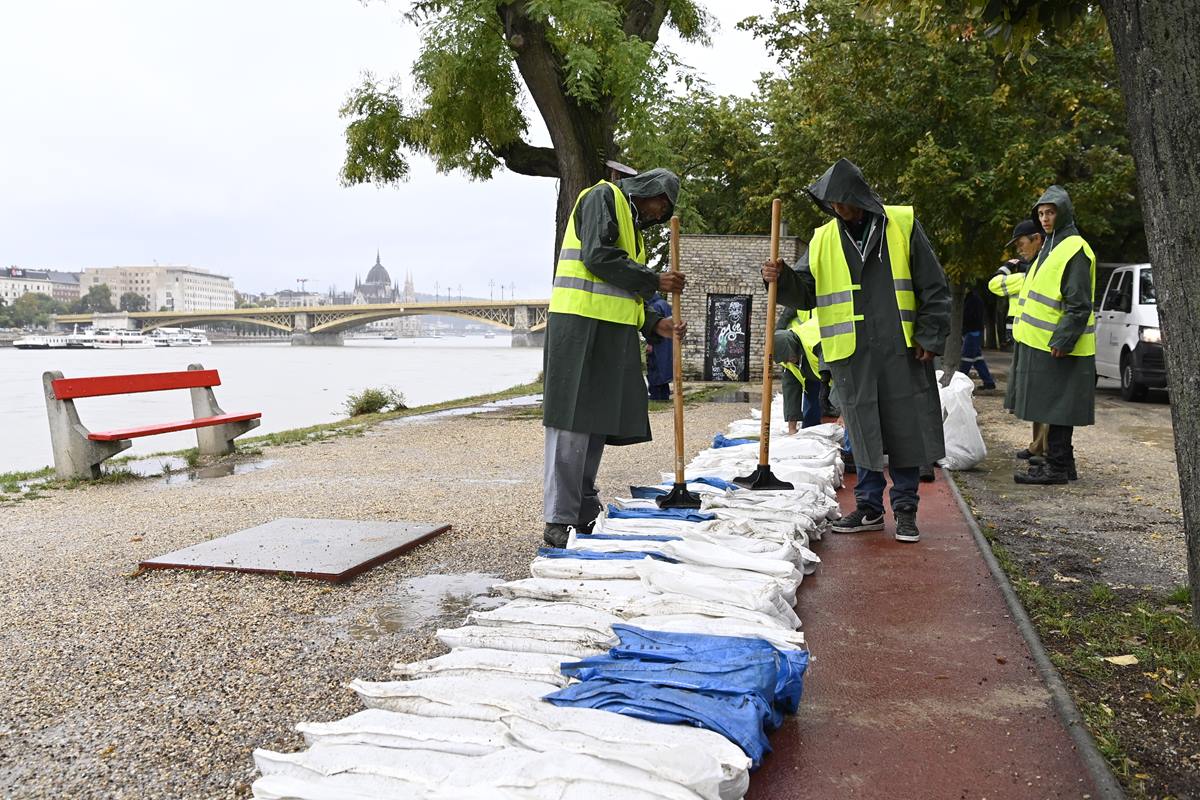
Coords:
326,549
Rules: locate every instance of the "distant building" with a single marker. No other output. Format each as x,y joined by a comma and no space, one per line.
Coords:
377,288
290,298
178,288
64,286
15,281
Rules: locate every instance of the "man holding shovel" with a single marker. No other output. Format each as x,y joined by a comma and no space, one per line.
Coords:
884,311
593,392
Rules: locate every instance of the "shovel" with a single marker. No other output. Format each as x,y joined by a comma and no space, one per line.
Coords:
762,477
679,496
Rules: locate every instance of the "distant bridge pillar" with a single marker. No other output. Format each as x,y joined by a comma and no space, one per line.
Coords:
302,337
521,337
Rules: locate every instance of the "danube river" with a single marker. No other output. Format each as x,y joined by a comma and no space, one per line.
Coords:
293,387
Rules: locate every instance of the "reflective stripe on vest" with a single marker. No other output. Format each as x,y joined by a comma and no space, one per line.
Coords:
1008,286
1041,304
835,291
578,291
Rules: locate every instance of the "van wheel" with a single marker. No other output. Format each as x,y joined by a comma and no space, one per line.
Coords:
1130,389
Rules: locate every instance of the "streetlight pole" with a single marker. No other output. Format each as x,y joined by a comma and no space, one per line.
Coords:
492,291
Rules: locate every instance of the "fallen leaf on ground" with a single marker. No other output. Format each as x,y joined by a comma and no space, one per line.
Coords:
1121,661
1066,579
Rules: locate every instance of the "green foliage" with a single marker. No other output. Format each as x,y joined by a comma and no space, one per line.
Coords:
97,299
374,401
30,310
132,301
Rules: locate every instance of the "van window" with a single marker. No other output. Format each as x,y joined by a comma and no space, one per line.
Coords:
1146,294
1120,293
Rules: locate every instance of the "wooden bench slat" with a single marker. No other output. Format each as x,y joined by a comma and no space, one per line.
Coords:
105,385
170,427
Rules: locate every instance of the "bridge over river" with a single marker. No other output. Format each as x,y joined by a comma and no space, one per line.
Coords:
325,325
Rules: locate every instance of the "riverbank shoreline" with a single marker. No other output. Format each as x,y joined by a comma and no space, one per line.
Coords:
122,682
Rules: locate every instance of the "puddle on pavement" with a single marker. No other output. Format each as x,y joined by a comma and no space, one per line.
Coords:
419,601
174,470
1151,435
524,401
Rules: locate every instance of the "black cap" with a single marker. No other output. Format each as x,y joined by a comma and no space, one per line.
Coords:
1025,227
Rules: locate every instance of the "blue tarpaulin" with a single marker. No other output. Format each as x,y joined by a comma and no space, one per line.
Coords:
649,537
651,492
687,515
721,440
596,555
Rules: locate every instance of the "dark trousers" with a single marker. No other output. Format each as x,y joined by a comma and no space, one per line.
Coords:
972,358
869,491
660,391
1060,453
812,397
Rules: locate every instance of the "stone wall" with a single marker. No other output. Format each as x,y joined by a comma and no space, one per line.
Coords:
726,265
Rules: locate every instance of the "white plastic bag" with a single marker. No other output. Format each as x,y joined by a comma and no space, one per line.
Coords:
964,443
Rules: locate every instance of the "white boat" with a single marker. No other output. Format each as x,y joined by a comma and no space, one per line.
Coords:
50,341
197,338
489,335
178,337
121,340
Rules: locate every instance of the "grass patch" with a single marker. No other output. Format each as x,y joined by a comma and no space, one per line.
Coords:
374,401
17,477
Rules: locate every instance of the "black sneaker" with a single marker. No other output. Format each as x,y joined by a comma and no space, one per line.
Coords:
1043,475
860,519
556,535
925,473
906,525
1024,455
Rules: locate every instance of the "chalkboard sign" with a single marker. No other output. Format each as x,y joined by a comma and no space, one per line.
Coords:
726,338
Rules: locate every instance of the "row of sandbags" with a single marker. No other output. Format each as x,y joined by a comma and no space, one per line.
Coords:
683,625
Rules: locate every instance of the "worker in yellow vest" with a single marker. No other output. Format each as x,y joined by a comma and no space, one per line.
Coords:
797,349
1054,373
1027,241
593,392
883,307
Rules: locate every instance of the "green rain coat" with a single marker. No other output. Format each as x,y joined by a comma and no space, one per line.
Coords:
593,369
889,400
1058,391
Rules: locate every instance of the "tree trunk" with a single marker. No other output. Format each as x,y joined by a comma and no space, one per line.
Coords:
1156,50
952,352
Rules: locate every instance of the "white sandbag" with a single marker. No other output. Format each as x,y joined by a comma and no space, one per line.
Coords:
582,569
964,443
479,662
694,623
570,616
587,727
747,590
343,786
526,639
379,728
605,595
452,697
692,552
654,605
426,768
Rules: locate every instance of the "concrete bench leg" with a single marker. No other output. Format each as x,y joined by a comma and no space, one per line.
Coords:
216,440
75,455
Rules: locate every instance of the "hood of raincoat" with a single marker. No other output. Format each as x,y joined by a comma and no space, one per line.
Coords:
652,183
1064,222
844,183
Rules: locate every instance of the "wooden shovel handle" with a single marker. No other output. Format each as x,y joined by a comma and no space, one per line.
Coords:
677,355
764,441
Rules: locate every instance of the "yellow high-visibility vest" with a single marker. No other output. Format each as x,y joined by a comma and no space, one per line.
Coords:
808,330
1041,301
835,288
1009,287
578,291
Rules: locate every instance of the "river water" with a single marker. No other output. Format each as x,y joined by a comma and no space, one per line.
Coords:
293,387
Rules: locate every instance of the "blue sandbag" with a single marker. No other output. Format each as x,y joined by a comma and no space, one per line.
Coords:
756,674
739,718
684,514
670,646
597,555
721,440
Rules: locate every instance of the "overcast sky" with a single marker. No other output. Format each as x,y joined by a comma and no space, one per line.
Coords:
206,132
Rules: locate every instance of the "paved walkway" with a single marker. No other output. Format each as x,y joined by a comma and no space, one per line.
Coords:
921,686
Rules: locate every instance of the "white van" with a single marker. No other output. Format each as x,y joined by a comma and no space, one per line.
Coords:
1129,345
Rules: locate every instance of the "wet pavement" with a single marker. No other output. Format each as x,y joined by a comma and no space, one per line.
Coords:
921,686
434,599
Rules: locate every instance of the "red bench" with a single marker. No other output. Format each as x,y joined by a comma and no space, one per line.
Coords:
79,452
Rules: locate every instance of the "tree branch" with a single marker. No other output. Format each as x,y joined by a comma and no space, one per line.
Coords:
644,18
525,159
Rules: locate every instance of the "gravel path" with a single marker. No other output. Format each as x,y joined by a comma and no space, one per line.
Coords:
160,684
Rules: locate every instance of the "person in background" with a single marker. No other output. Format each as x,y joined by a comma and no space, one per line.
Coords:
797,349
660,369
594,393
1027,241
883,307
972,349
1055,374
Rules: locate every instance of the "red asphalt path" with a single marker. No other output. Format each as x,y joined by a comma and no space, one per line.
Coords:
921,686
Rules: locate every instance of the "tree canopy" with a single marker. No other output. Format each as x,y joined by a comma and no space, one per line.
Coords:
98,298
